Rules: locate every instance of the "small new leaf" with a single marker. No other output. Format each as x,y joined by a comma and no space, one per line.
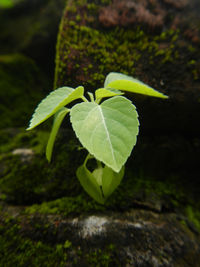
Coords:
89,183
53,102
123,82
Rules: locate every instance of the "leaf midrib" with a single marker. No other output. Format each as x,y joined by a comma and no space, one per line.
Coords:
107,133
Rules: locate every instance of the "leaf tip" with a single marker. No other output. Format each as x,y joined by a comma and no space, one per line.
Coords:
29,128
48,157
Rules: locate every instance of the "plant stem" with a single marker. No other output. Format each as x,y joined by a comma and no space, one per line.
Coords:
98,100
84,99
89,156
91,96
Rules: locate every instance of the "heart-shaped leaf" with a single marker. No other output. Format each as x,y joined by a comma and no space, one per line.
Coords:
59,116
108,131
123,82
53,102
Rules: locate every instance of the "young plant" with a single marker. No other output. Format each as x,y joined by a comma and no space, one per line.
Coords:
108,129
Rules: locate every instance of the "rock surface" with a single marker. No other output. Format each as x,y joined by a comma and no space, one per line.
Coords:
133,238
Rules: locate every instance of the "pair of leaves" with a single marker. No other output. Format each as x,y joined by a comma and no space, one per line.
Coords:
101,183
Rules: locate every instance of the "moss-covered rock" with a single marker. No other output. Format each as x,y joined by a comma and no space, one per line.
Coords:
152,218
136,237
154,178
88,47
123,36
21,88
26,176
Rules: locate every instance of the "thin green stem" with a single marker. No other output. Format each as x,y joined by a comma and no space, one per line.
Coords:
89,156
91,96
84,99
98,100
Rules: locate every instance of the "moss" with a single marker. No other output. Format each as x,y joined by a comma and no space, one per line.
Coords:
66,206
20,89
20,248
193,216
11,139
35,180
17,250
102,257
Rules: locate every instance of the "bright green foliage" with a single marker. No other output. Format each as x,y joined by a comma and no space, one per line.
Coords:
53,102
6,3
108,130
56,125
126,83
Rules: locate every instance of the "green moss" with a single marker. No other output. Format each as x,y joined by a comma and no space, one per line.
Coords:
193,215
35,180
11,139
102,257
131,51
17,250
21,247
66,206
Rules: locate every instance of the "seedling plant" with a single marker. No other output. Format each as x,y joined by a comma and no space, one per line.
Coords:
107,129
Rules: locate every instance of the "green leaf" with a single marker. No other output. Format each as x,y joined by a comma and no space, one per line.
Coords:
59,116
97,173
53,102
108,131
89,183
126,83
111,180
103,92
